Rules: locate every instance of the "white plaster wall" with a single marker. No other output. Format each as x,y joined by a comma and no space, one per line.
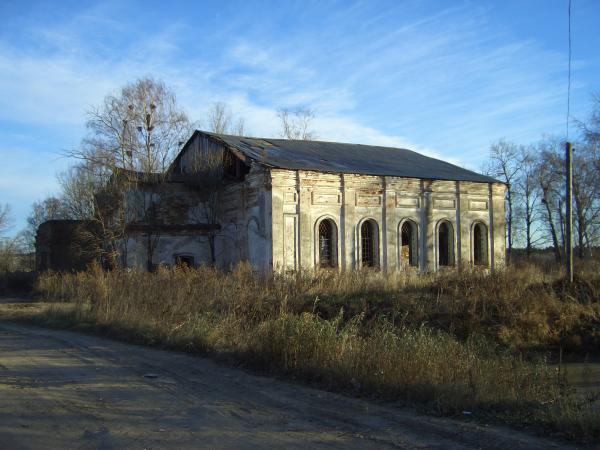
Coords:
300,199
243,214
166,248
244,217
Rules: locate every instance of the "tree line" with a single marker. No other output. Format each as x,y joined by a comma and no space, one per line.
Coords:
536,191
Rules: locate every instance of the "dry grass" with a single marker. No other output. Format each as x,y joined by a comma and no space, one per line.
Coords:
451,342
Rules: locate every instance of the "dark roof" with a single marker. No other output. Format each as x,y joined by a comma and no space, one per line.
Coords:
138,176
139,226
346,158
63,223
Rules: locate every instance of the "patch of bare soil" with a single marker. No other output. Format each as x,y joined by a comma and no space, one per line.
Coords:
61,389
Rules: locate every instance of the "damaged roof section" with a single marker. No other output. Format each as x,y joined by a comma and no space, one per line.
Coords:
344,158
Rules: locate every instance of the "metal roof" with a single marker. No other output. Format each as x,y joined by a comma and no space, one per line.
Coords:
346,158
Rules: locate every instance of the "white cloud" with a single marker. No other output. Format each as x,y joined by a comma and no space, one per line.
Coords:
445,84
432,70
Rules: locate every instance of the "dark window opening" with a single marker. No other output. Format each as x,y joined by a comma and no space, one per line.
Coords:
480,245
368,240
445,245
327,244
409,244
184,260
233,167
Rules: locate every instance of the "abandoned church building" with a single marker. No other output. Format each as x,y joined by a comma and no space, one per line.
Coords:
285,204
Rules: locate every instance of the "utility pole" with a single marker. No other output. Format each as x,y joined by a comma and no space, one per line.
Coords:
569,225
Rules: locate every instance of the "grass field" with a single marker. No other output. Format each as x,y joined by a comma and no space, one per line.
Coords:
584,376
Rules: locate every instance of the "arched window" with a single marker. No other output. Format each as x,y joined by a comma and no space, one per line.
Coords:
327,241
445,244
480,244
409,244
369,243
184,260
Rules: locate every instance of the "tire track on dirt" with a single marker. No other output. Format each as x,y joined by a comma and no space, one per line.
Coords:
194,402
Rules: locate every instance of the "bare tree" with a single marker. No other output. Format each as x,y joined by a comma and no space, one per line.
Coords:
221,121
219,118
140,129
590,128
551,177
296,124
14,256
133,137
586,193
51,208
79,184
209,163
529,196
4,217
586,198
239,129
9,247
8,250
536,201
586,189
505,164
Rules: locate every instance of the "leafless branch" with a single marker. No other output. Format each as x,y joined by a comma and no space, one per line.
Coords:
296,124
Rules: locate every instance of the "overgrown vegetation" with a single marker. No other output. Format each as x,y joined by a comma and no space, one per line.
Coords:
449,342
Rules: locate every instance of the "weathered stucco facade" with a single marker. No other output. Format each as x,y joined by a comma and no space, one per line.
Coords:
289,218
302,199
235,220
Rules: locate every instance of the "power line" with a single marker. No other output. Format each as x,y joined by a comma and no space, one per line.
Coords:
569,77
569,177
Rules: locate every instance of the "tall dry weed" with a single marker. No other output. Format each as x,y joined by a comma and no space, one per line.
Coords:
450,341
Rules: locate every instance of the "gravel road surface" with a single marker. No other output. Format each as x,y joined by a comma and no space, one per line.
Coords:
61,389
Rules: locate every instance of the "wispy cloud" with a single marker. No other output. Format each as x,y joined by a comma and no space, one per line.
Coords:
442,81
448,68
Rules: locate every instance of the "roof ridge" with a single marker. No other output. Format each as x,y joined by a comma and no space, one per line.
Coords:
341,157
303,140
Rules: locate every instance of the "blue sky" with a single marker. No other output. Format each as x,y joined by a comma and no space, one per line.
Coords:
443,78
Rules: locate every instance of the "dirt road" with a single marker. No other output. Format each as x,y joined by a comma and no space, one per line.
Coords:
61,389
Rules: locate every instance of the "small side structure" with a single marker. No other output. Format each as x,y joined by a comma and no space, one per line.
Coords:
58,245
288,205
